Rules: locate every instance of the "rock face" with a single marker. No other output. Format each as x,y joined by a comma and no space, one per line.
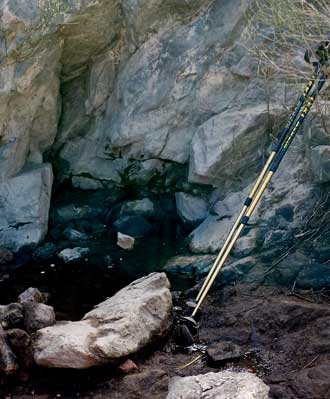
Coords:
222,385
116,328
156,95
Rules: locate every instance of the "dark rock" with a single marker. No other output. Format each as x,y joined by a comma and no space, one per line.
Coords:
20,342
286,212
90,226
314,275
11,315
312,382
233,272
321,251
135,226
276,238
72,212
191,209
195,266
73,254
6,256
8,363
74,235
144,207
37,316
224,351
32,295
286,272
45,252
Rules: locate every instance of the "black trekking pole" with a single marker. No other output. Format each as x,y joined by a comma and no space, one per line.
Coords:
276,148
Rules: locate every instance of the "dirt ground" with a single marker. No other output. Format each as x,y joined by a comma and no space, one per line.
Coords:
284,337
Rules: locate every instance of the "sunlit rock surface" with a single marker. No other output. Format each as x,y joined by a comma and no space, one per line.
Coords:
133,318
221,385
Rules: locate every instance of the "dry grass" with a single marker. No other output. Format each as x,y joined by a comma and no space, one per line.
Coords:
282,29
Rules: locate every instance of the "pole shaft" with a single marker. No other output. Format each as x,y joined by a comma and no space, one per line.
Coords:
237,222
233,241
271,157
257,193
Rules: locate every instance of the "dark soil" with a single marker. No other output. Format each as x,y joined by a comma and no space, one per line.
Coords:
285,335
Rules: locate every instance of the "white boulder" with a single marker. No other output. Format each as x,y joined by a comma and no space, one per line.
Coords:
116,328
221,385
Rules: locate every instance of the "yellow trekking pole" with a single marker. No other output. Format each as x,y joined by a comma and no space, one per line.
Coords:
256,198
301,101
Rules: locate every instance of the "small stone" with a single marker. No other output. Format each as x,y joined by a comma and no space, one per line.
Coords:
125,242
38,315
135,226
128,367
31,295
74,235
224,351
6,256
73,254
45,252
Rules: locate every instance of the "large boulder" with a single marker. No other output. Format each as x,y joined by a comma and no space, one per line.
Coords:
24,206
222,146
221,385
133,318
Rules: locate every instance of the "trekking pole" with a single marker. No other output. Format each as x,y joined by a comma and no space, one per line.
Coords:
276,148
274,164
